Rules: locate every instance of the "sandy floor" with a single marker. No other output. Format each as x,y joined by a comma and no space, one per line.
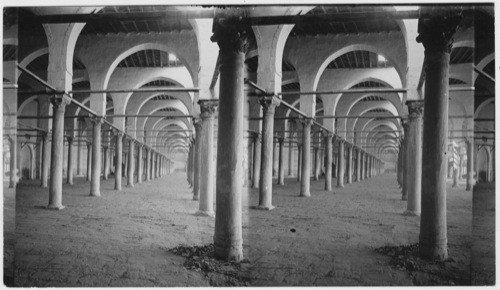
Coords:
328,239
122,238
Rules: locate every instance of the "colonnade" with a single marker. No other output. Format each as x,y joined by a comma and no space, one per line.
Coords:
157,165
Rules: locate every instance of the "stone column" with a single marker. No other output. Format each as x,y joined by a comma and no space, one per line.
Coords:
404,154
336,168
105,157
329,161
316,164
358,165
290,151
361,165
192,160
281,164
130,165
269,105
455,175
256,159
232,41
119,161
140,163
45,159
349,164
148,164
436,34
470,167
59,104
79,150
89,160
125,166
208,111
95,182
414,169
69,171
13,161
306,158
299,162
341,162
197,156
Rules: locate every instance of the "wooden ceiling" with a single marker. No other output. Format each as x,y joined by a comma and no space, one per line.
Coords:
371,25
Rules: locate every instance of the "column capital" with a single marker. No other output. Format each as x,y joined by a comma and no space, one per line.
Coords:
269,103
306,121
70,139
230,33
60,101
329,136
118,133
436,33
96,120
415,109
280,139
208,107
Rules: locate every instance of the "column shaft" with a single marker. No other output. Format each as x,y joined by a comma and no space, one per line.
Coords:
130,167
267,153
437,37
329,161
306,159
69,171
95,182
414,186
256,160
140,163
341,162
45,160
228,240
89,161
208,112
197,156
349,165
57,158
119,161
281,164
299,162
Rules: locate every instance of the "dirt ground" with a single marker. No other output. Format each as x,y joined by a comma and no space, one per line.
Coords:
125,238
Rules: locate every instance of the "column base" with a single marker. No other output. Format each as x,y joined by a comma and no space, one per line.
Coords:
281,183
434,252
55,207
96,194
205,213
130,185
305,194
468,188
411,213
196,197
264,207
340,186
